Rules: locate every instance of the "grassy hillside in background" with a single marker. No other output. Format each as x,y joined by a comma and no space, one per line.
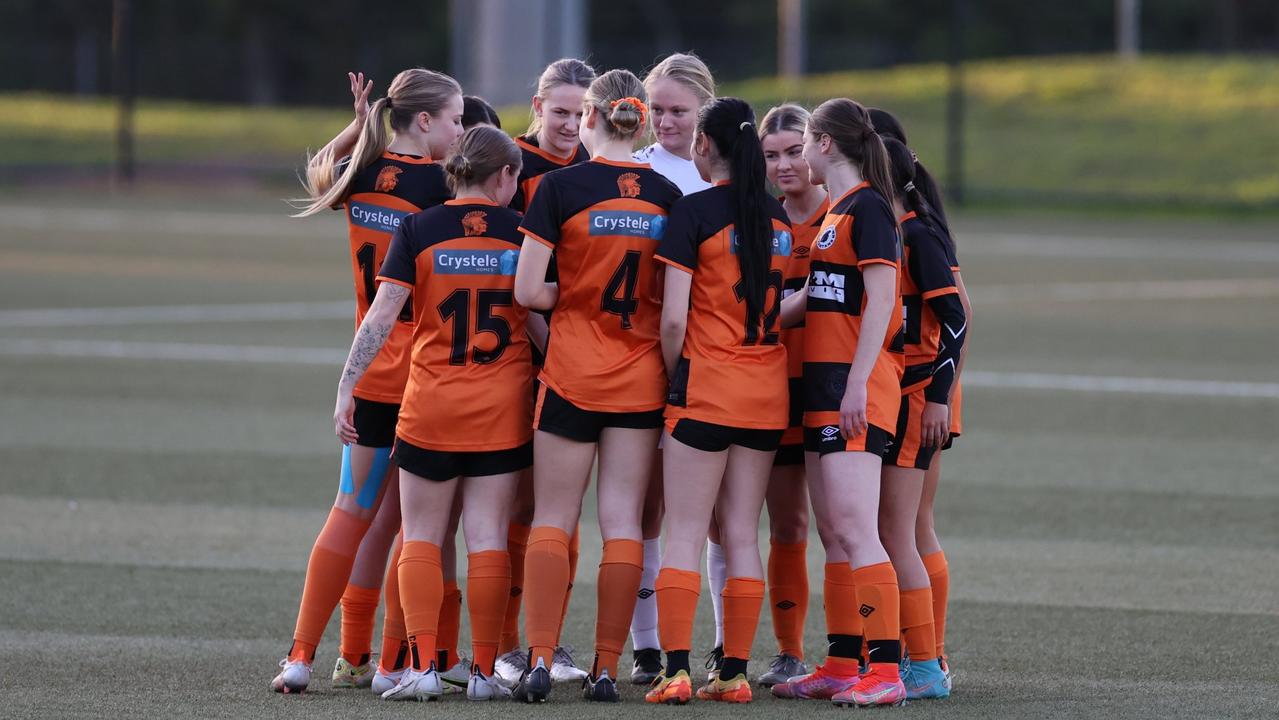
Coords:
1184,130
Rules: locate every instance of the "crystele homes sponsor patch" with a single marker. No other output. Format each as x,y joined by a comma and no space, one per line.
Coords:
782,243
630,223
474,262
376,217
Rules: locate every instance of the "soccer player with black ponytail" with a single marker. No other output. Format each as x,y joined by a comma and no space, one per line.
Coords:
725,250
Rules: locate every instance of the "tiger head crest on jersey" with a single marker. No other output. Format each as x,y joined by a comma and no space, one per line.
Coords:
387,179
628,185
474,223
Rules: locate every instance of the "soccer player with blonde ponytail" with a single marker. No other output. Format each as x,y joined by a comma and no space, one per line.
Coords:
378,175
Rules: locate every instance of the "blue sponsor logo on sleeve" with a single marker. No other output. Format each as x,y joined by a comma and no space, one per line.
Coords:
475,262
783,243
629,223
375,217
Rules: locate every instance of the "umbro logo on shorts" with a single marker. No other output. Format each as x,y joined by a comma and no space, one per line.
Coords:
830,433
865,610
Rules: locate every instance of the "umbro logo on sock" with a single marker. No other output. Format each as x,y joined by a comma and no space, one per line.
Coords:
866,610
785,605
516,591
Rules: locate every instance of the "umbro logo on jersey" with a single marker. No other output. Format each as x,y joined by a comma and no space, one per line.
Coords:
801,251
785,605
628,185
474,223
826,239
865,610
645,593
388,178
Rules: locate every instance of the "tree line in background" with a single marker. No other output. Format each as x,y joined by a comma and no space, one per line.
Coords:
294,51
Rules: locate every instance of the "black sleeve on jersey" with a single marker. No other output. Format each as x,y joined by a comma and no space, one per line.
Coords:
544,217
683,235
929,261
875,232
401,258
954,327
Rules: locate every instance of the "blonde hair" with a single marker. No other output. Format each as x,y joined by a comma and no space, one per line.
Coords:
613,95
788,117
482,151
412,92
565,71
686,69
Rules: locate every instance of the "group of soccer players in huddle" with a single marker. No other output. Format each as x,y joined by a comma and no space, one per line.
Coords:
531,309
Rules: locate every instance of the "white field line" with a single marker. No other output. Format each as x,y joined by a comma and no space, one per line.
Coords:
177,314
1111,384
342,309
1214,249
1219,289
111,349
165,222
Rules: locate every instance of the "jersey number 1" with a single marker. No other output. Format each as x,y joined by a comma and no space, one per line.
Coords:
457,307
366,256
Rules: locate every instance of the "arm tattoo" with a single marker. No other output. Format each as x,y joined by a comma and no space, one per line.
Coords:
374,331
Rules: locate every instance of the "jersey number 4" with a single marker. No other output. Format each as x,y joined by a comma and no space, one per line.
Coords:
457,308
366,256
619,293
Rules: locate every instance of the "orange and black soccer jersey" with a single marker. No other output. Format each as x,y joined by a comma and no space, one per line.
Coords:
390,189
604,219
469,386
538,162
731,373
793,337
934,318
859,230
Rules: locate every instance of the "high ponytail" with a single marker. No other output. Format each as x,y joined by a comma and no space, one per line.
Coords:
849,126
888,126
411,92
905,179
730,124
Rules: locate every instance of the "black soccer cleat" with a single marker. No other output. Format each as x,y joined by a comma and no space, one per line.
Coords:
601,689
535,685
648,665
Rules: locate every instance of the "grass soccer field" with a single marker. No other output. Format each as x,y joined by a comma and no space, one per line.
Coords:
167,456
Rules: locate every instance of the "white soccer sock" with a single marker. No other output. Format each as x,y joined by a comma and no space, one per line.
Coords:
644,621
717,573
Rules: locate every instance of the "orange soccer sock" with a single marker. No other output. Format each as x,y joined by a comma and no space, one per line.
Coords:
516,544
422,594
450,626
574,552
359,613
326,574
939,579
879,605
488,588
395,639
788,595
743,598
843,622
546,579
917,624
619,579
677,594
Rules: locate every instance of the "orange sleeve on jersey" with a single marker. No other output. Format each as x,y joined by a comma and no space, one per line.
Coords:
942,291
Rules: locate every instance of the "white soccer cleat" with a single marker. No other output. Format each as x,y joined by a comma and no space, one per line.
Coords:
416,685
383,681
563,669
482,688
293,678
510,666
457,678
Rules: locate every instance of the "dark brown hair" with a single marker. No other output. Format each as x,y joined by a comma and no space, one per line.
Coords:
849,127
482,151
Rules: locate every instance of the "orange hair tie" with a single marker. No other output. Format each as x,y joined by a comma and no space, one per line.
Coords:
639,104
